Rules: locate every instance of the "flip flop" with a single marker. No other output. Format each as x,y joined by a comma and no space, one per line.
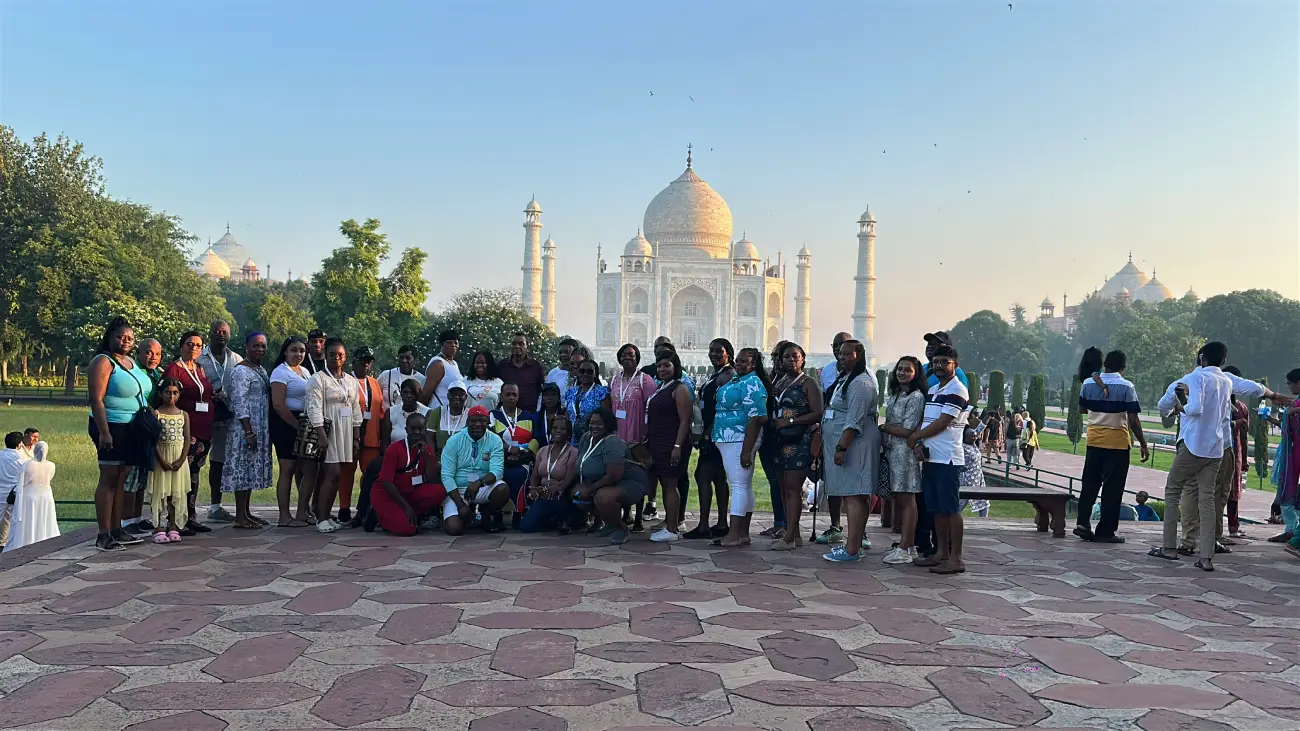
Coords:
1157,552
295,523
1200,564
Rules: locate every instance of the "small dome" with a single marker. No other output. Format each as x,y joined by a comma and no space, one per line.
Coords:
549,243
638,246
867,217
303,278
1191,294
745,250
804,252
1153,291
533,207
249,264
1123,294
211,265
1046,303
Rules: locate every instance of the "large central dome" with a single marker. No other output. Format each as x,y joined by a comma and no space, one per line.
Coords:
689,218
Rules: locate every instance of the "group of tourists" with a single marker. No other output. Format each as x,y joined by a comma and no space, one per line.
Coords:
562,450
1205,479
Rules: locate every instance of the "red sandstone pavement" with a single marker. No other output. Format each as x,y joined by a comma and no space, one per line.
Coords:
287,629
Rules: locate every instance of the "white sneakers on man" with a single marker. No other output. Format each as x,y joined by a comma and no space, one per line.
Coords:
898,555
663,535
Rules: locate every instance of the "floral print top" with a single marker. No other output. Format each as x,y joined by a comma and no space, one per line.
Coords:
739,399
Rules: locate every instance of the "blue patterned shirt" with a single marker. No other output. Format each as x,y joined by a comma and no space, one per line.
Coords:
739,399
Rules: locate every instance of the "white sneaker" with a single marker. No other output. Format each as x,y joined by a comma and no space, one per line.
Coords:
326,526
664,535
913,553
897,556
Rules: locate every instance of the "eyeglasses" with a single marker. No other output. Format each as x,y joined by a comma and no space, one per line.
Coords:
586,372
942,361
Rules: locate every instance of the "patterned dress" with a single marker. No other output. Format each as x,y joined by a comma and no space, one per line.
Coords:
793,444
904,410
249,390
580,404
165,485
628,397
851,406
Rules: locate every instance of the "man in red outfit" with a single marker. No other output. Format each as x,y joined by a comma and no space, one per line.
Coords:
408,481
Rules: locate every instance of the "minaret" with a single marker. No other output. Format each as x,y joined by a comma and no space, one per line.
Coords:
803,299
548,283
532,267
864,311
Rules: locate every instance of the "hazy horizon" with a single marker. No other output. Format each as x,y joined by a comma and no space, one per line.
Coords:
1007,154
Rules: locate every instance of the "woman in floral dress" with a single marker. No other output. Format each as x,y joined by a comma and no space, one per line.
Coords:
248,461
585,398
903,413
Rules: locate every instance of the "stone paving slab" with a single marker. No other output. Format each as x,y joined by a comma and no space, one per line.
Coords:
288,629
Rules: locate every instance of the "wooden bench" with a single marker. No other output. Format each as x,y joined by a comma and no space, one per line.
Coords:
1049,503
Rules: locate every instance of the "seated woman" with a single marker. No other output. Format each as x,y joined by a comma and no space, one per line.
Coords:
34,517
549,502
408,483
472,463
551,406
447,420
609,480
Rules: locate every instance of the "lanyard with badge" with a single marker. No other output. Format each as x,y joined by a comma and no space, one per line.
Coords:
200,406
662,386
412,462
511,424
589,452
345,411
622,394
835,390
551,461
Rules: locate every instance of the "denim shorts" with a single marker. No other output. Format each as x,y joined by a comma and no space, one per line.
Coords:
940,485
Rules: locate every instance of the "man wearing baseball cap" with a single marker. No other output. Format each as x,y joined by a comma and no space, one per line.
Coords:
472,464
315,360
932,341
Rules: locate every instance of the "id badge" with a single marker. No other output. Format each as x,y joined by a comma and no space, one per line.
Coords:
366,416
829,414
201,407
621,414
345,412
417,480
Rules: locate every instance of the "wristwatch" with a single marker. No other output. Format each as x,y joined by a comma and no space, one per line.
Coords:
841,448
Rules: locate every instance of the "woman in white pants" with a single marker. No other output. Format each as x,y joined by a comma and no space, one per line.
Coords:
742,404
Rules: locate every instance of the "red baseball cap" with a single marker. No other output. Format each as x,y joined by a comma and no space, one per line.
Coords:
478,411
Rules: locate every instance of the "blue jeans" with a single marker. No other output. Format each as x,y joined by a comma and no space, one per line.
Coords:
544,515
767,457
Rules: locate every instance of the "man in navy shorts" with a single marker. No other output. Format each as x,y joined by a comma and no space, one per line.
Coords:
939,444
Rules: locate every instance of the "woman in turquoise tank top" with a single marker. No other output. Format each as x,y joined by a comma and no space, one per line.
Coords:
119,389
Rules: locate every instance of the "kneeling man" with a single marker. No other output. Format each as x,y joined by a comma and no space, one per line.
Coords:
472,465
408,482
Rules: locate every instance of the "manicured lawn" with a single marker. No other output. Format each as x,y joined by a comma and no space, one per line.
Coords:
64,428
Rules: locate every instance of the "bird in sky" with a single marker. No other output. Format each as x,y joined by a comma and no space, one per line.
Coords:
652,93
1008,7
936,144
882,152
692,98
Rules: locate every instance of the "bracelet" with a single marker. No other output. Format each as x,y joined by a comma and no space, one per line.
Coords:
677,446
841,448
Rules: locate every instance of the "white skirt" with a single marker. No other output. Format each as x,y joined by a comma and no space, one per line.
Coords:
33,518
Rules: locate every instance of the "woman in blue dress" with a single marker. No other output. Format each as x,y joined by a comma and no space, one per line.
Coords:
585,398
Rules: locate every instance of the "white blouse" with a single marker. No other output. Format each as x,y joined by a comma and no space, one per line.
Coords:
485,393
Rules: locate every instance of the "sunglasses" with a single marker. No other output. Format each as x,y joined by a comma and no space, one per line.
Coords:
587,371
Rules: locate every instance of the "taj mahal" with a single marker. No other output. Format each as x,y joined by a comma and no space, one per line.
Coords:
684,276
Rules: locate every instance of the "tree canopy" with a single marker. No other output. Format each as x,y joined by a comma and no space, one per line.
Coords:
486,319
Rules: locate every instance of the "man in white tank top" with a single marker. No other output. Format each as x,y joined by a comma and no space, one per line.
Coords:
442,370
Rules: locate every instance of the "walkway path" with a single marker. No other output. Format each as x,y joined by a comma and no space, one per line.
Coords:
287,629
1254,503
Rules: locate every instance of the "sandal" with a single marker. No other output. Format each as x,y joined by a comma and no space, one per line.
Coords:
1157,552
781,546
1200,564
696,533
1182,551
295,523
161,538
173,536
772,532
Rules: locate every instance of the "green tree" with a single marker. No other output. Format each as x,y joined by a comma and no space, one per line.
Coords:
1098,319
406,290
985,341
1037,402
1251,323
485,320
279,318
882,386
1259,437
1157,352
973,379
1074,417
1017,392
1019,315
997,390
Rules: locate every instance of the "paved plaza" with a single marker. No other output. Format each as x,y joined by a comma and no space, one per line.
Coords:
289,629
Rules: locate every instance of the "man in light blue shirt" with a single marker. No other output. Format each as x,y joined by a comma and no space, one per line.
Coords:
472,464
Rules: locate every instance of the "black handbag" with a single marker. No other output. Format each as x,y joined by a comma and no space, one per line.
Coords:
145,428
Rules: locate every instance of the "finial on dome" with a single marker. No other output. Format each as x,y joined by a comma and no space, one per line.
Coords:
688,156
227,226
1130,257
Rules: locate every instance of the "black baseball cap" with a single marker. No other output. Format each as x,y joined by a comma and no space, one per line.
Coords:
938,337
315,334
364,353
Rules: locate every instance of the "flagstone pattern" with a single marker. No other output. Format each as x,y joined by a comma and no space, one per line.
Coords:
286,630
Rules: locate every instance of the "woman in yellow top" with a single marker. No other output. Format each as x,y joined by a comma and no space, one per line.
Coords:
1029,442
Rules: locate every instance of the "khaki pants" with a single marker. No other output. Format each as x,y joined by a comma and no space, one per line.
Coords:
6,515
1191,513
1191,482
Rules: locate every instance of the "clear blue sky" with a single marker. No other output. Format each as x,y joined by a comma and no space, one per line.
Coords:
1081,131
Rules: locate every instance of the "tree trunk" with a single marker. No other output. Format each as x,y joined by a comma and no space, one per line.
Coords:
4,371
24,366
69,377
